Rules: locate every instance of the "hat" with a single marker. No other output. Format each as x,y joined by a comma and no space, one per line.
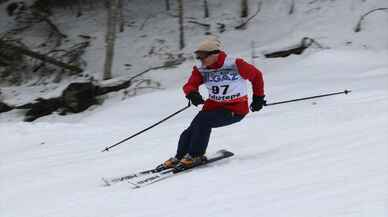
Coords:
211,43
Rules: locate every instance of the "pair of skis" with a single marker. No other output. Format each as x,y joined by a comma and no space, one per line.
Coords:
147,177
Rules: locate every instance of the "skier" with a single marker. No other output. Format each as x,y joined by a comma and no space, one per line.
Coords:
225,79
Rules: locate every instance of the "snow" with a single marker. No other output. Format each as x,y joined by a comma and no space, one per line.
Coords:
322,157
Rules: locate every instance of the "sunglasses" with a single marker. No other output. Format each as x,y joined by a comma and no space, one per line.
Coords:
201,56
204,55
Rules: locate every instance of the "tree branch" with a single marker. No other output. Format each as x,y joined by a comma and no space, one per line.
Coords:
358,26
41,57
251,17
198,23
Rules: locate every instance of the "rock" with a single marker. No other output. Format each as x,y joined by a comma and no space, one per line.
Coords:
41,108
77,97
4,107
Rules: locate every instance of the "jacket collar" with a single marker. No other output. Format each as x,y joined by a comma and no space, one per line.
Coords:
220,61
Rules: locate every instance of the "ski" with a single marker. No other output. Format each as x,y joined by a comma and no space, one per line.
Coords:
158,176
110,181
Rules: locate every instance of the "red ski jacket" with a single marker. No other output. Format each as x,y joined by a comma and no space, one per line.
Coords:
239,104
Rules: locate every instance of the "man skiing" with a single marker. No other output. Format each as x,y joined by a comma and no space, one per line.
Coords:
225,79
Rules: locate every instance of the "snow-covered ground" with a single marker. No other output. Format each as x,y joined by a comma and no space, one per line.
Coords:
326,157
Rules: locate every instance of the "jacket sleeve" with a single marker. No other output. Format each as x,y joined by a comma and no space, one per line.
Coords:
251,73
194,82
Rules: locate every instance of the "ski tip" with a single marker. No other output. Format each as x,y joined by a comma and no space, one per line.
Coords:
225,152
106,182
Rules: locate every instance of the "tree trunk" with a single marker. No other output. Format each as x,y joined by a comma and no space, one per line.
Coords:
79,10
206,9
292,7
167,5
181,30
121,16
244,8
110,39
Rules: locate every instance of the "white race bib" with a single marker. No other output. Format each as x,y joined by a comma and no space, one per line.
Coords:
224,84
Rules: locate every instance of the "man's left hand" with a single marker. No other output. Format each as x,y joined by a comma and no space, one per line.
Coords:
257,103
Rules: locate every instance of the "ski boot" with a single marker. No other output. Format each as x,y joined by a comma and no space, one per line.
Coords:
188,162
170,163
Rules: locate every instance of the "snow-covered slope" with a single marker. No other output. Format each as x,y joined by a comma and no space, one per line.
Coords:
323,157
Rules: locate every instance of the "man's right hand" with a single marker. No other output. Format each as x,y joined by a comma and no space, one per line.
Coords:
195,98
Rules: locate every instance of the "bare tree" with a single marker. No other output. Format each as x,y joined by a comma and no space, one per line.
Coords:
79,9
181,30
292,7
44,58
121,16
244,8
3,1
167,4
110,38
206,8
242,25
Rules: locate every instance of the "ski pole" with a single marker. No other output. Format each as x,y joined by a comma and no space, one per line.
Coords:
306,98
154,125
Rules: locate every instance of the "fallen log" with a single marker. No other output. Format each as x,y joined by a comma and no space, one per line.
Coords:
79,96
297,49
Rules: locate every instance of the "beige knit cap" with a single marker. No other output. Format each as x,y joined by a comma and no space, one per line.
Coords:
211,43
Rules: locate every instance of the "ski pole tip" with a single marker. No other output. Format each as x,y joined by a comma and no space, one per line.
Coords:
105,149
347,91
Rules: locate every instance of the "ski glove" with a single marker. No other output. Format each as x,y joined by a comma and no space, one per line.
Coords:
195,98
257,103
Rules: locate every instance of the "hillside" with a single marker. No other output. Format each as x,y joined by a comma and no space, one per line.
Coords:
324,157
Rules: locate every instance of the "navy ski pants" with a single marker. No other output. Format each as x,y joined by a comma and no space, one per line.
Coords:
195,138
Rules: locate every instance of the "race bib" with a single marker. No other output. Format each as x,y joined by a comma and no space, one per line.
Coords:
224,84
